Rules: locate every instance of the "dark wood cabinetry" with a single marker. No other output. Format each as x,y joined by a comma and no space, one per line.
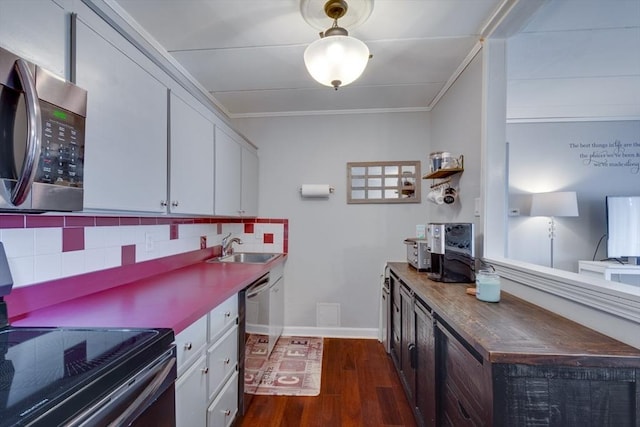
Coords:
464,362
414,356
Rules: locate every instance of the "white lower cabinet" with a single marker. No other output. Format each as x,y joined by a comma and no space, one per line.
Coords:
208,369
191,395
224,408
222,360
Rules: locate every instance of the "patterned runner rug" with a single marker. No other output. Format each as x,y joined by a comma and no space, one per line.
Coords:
293,369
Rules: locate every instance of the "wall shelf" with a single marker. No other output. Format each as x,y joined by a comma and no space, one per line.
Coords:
443,173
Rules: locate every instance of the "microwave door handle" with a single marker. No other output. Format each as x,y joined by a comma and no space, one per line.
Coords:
34,133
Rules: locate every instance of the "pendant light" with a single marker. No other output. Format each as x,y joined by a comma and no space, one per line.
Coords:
336,59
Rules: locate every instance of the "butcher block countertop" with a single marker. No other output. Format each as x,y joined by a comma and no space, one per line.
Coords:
172,299
513,330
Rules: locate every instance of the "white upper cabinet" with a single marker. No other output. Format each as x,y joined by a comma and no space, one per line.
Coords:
236,177
126,127
228,180
191,148
37,31
249,193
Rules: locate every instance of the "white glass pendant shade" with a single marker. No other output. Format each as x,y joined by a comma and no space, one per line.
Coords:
336,60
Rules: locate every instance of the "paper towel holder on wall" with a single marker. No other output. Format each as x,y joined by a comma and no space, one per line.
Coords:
316,190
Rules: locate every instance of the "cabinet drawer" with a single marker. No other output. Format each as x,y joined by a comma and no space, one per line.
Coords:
190,343
464,374
456,413
224,409
221,317
222,359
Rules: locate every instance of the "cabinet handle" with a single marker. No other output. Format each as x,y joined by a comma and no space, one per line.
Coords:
205,370
227,360
226,412
413,356
163,203
227,314
174,203
463,411
188,346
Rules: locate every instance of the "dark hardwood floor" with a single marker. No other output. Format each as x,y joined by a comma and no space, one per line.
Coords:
359,387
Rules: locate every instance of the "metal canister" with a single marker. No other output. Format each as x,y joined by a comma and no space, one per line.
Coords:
435,161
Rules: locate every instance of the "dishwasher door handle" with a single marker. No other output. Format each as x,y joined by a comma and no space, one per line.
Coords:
258,287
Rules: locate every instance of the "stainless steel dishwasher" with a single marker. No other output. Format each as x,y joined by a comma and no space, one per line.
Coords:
262,320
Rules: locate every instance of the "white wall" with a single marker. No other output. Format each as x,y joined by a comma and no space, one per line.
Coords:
595,159
337,251
456,128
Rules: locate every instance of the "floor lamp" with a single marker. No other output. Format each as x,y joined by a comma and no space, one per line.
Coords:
559,203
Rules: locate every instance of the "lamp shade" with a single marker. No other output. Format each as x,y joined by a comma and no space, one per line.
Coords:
336,60
559,203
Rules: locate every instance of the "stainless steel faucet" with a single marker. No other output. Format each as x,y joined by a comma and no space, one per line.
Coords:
227,244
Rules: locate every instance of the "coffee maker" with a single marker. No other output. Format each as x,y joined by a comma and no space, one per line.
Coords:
452,252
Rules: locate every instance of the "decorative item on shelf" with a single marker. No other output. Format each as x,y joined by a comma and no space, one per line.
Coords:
442,164
442,193
337,59
316,190
554,204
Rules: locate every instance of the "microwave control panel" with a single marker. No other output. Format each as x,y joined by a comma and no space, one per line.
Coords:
62,151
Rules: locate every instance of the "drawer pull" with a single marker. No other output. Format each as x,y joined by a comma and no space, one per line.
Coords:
205,370
227,412
188,346
227,360
227,314
463,411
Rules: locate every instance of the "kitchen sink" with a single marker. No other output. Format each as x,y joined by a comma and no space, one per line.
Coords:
245,258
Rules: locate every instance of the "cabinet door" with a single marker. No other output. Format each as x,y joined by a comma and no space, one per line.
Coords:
228,175
191,396
250,166
37,31
408,346
426,366
396,318
191,148
126,127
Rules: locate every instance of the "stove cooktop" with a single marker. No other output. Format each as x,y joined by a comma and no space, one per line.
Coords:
58,371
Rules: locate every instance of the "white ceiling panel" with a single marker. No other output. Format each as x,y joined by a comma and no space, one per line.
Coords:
567,15
248,53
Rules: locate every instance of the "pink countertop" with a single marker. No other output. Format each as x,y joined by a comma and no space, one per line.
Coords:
173,299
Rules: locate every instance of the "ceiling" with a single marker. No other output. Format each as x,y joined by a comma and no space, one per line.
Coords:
248,54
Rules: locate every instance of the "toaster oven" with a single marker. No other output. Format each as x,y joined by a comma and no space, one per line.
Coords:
418,254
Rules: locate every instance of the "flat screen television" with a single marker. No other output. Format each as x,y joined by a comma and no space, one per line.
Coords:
623,228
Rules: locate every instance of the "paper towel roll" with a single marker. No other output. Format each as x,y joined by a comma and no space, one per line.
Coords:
316,190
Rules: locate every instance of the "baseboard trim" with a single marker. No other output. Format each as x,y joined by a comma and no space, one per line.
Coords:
312,331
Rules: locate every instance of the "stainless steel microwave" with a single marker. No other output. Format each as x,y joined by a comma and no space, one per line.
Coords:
42,129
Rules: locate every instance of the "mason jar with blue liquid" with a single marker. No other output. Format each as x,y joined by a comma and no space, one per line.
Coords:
488,286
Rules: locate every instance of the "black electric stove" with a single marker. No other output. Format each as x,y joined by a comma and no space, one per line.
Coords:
50,375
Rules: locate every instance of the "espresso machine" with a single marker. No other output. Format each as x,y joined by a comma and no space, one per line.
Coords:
452,252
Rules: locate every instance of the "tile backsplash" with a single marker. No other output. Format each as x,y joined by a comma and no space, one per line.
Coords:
41,248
